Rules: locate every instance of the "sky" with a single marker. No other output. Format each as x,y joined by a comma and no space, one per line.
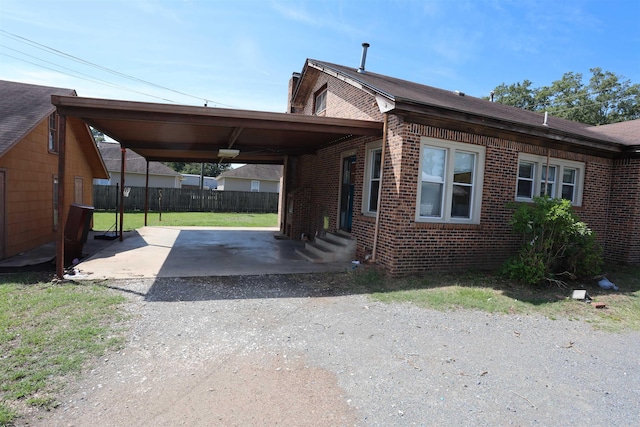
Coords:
241,54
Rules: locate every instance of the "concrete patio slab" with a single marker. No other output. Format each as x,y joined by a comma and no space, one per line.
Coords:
199,251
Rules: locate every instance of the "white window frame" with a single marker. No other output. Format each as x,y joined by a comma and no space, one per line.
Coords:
320,101
540,162
53,133
478,177
370,150
255,185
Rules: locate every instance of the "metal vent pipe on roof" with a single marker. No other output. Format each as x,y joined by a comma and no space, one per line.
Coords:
364,57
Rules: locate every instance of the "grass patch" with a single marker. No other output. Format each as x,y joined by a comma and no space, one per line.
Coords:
48,332
490,293
103,221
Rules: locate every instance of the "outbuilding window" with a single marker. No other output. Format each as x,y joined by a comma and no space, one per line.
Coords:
558,179
53,133
450,182
55,202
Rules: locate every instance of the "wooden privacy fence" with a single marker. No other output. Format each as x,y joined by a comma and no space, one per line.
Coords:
185,200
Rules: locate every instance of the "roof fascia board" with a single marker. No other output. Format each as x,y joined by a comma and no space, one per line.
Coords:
384,104
436,115
91,108
296,89
355,82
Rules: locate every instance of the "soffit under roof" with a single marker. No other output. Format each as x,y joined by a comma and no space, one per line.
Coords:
164,132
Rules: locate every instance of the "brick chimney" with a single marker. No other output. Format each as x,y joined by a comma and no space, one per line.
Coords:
293,83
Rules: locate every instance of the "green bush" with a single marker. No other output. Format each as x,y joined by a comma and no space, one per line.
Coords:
555,244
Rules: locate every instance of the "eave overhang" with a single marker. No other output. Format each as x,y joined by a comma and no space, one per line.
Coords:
165,132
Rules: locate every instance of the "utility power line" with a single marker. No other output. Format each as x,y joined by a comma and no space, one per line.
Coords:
57,52
88,78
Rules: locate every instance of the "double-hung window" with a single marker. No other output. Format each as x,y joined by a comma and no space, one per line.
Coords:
373,172
53,133
450,182
557,178
320,101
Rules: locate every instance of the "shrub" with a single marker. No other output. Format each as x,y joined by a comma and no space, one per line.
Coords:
555,244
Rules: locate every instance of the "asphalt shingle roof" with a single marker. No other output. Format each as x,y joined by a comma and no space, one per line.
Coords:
410,92
627,133
22,107
263,172
135,163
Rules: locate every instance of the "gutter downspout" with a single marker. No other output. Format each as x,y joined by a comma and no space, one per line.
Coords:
546,177
377,226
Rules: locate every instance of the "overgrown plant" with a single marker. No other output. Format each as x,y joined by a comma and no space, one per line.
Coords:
555,244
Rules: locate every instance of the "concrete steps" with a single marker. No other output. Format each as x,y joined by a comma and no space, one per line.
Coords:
332,247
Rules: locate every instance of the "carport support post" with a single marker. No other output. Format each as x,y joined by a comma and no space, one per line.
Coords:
282,200
123,152
61,138
146,195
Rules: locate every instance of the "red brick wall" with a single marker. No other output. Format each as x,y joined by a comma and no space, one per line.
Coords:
404,245
407,246
623,244
343,100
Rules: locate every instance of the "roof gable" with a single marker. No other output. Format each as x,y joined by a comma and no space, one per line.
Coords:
22,108
258,172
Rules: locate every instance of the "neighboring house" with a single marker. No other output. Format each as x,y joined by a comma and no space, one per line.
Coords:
160,175
434,192
260,178
190,180
29,166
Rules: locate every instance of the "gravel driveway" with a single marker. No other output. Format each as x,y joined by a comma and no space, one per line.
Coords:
291,351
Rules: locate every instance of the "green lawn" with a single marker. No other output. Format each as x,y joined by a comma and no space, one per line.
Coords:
103,221
51,331
490,293
47,333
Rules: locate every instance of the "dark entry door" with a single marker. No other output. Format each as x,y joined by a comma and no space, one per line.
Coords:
346,193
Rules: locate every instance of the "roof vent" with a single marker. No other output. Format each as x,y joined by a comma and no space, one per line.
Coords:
457,92
364,57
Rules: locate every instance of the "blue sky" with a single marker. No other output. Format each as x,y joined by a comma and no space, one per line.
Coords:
241,53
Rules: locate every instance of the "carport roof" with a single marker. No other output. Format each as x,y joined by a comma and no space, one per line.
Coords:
165,132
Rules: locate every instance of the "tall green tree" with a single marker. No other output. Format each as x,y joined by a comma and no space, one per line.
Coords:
97,135
605,98
210,169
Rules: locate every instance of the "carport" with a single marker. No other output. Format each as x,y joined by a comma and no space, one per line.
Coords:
164,132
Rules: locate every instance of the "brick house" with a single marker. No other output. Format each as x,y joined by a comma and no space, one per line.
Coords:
433,192
160,175
29,165
259,178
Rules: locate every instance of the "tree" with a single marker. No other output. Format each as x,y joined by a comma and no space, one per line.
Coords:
517,95
210,169
97,135
607,98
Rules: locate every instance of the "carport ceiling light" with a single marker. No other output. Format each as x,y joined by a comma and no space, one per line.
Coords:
226,153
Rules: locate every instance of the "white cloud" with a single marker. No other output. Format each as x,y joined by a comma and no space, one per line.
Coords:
326,19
